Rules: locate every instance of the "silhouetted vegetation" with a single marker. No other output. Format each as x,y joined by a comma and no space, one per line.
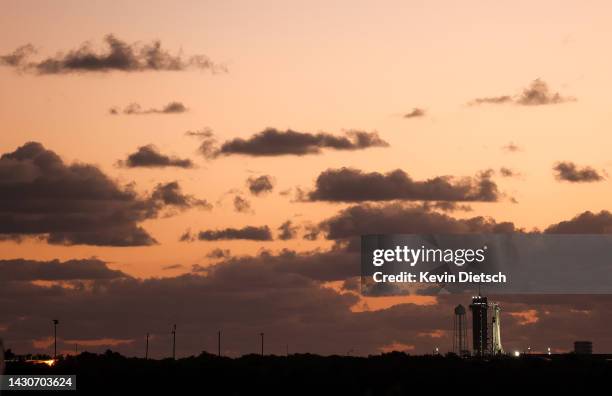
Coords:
388,374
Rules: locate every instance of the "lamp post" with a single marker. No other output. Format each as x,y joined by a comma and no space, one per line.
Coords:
147,348
55,323
174,342
262,343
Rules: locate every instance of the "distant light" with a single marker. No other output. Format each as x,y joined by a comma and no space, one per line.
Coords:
517,354
437,350
49,362
549,350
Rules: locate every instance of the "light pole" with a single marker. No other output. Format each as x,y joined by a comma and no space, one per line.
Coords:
174,342
219,343
55,323
147,348
262,343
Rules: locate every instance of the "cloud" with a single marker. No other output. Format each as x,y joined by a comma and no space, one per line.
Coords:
241,205
249,233
208,148
446,206
55,270
288,306
172,267
200,133
149,157
511,148
415,113
260,185
171,195
398,218
507,172
136,109
584,223
287,231
75,204
492,99
284,294
272,142
117,56
17,57
219,253
353,185
568,171
538,93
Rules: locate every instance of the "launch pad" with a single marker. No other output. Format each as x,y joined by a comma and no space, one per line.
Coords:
486,334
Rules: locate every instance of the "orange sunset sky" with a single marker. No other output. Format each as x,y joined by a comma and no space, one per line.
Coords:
312,67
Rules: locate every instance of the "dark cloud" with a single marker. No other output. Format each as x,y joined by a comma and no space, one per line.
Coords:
507,172
353,185
117,56
249,232
492,99
538,93
187,236
150,157
287,231
136,109
172,267
241,205
312,232
219,254
416,112
291,308
272,142
284,294
77,203
568,171
171,195
446,206
260,185
201,133
208,148
511,148
17,57
55,270
397,218
584,223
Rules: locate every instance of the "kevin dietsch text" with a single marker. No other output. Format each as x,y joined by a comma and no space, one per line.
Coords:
413,256
427,277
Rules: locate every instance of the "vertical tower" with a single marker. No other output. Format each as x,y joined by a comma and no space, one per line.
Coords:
496,345
460,332
174,342
479,308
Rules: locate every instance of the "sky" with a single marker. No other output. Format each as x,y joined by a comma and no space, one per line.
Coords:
341,118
